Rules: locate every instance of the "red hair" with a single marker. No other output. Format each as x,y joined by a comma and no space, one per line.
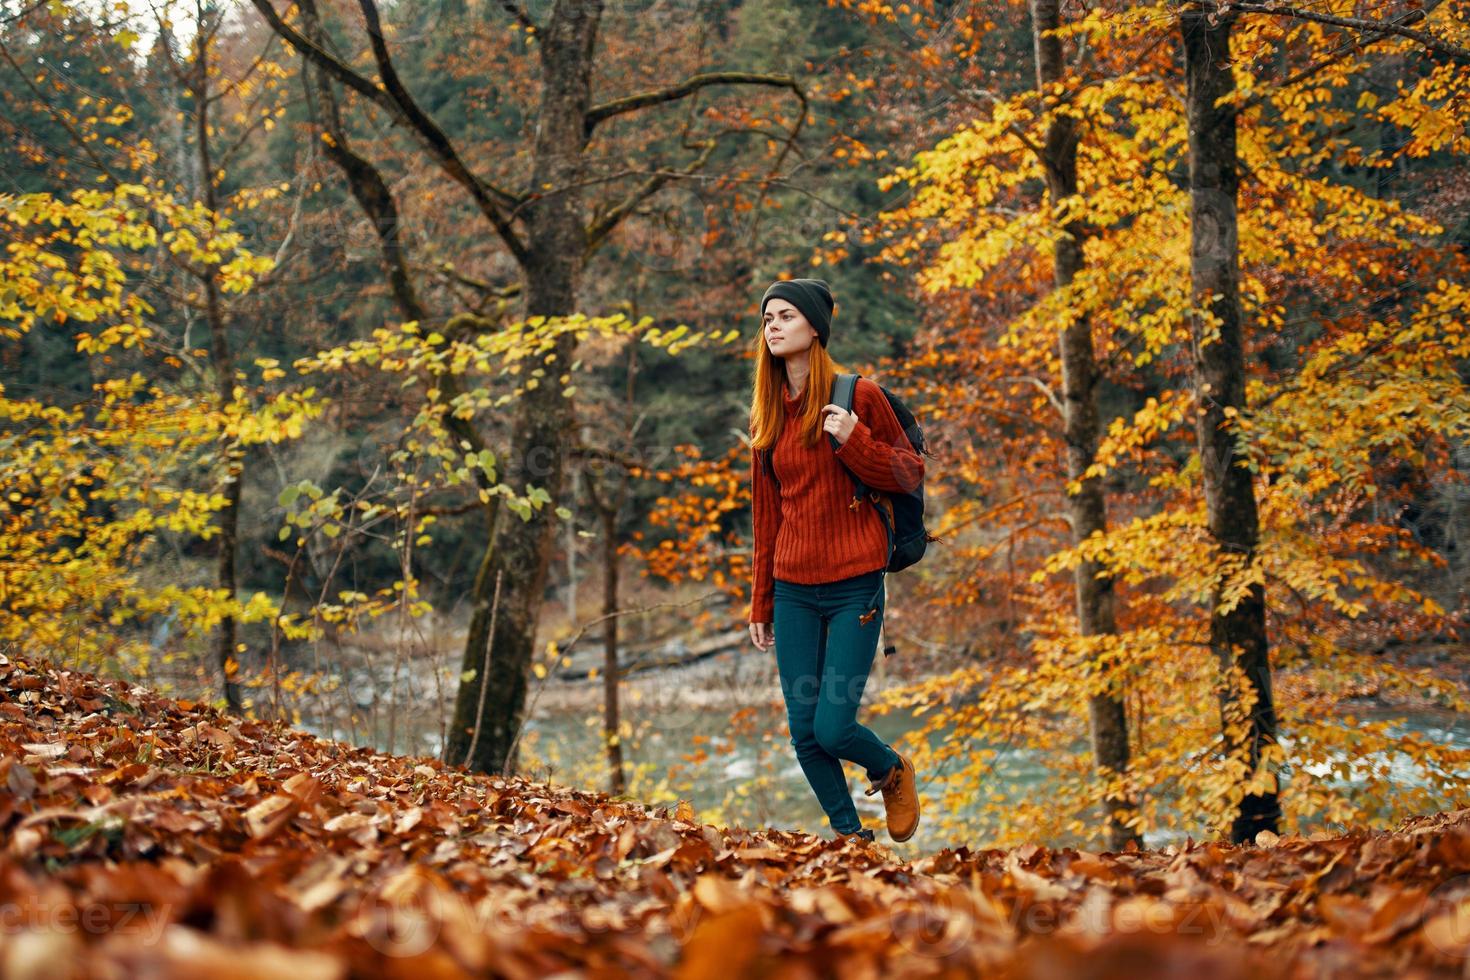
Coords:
767,401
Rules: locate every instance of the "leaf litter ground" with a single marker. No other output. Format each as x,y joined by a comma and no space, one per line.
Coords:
145,836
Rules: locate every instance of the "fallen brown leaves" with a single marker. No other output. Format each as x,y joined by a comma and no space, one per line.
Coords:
149,836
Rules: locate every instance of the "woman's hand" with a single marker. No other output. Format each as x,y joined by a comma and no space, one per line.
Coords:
763,634
839,421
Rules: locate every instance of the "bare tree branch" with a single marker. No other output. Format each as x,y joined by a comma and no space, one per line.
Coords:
1014,128
23,12
278,260
603,225
58,117
482,294
641,100
486,196
1332,57
434,137
522,18
376,199
600,228
448,270
1429,41
325,60
1044,388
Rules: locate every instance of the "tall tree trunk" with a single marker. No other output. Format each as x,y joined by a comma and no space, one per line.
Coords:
1237,635
373,195
570,545
609,498
1088,509
521,550
518,554
611,722
226,637
550,257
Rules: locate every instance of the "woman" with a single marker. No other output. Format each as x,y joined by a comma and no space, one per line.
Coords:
820,553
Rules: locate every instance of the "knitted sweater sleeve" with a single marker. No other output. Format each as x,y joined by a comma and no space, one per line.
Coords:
877,450
766,519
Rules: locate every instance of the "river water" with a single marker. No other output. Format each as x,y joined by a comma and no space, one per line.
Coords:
732,712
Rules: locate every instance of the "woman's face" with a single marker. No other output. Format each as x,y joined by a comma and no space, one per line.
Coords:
787,331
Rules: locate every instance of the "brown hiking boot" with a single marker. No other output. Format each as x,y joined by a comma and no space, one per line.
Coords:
865,834
900,799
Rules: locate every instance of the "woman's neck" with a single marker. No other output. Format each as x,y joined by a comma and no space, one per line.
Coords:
796,371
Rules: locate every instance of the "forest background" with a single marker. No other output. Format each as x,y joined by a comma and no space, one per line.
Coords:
387,370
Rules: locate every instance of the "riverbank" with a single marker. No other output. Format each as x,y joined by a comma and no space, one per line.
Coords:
728,671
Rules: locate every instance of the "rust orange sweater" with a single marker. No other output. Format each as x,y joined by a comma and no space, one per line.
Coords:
808,533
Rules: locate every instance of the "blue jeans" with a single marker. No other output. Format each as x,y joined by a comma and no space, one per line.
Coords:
823,654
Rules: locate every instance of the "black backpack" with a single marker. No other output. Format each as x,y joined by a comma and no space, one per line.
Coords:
902,513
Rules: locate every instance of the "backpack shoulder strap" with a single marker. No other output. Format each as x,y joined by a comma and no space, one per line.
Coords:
844,387
844,391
